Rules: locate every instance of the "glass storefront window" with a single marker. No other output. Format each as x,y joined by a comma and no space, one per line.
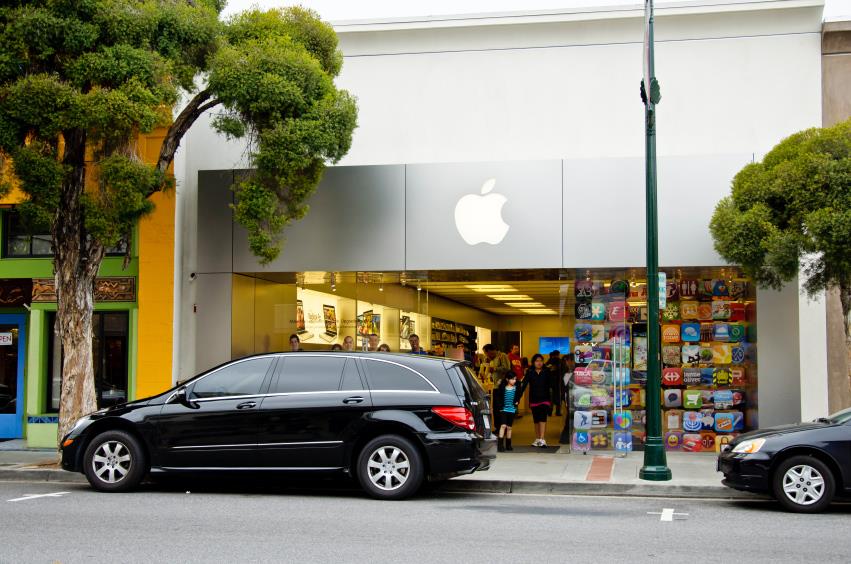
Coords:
110,359
595,318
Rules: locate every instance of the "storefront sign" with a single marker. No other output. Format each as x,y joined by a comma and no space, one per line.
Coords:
5,339
117,289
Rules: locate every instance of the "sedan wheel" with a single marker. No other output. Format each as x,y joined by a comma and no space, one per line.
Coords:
390,467
114,461
803,484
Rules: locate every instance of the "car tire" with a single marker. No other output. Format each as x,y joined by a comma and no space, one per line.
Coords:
114,461
390,467
803,484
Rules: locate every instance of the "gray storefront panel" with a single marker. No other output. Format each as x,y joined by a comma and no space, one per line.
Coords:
452,224
356,221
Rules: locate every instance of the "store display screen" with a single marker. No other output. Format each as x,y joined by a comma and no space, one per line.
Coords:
546,345
299,316
330,314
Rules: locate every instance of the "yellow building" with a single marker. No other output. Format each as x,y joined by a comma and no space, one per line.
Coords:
132,327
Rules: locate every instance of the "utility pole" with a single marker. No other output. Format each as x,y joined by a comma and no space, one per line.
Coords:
655,466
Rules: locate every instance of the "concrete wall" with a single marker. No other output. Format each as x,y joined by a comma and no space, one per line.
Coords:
836,107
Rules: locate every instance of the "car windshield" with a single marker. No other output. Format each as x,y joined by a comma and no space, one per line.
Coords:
841,416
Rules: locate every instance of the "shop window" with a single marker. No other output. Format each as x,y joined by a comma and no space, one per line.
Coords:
21,242
309,374
239,379
109,355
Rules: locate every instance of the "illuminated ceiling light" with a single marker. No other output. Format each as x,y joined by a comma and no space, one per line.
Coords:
510,297
539,311
485,288
524,304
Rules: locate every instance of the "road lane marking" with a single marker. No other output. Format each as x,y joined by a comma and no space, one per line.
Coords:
667,514
35,496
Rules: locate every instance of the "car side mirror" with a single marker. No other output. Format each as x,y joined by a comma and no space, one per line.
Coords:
182,397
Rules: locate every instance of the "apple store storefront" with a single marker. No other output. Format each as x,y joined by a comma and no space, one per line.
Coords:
547,255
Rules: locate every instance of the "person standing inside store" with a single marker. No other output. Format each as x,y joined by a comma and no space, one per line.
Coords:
349,343
383,347
539,384
494,368
414,340
295,343
516,362
555,366
336,347
439,350
505,400
372,345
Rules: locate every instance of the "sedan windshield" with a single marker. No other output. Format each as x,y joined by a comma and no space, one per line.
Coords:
841,416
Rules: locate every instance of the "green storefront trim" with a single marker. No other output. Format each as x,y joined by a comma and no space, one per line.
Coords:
40,428
43,434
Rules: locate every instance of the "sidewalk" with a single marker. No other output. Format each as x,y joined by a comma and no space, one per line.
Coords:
694,475
558,473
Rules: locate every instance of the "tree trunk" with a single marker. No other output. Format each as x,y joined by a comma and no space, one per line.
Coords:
77,259
838,349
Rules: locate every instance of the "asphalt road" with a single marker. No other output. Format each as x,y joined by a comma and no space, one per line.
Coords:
264,521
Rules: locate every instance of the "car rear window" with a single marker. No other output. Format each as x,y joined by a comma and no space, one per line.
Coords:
474,390
391,376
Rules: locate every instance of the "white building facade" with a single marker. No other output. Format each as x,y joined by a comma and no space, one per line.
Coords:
549,97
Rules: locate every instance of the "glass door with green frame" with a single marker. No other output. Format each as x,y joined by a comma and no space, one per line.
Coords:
11,375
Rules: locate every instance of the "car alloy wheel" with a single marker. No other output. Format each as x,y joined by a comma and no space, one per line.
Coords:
115,461
803,484
388,468
112,461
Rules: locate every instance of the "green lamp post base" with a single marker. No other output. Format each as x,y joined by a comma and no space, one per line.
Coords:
655,467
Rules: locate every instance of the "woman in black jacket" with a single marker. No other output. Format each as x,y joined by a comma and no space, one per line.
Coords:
538,381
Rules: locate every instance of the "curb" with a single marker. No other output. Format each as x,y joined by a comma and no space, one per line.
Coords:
36,475
476,486
595,488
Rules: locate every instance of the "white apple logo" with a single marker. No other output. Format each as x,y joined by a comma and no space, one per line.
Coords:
479,218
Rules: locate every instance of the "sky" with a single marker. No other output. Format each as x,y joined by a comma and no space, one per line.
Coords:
338,10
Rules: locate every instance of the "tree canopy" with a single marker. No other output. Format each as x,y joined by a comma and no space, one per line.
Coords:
791,213
80,80
106,70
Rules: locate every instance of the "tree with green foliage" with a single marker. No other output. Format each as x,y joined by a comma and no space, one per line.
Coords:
790,215
80,80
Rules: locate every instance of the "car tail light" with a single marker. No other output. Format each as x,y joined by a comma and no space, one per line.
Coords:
460,416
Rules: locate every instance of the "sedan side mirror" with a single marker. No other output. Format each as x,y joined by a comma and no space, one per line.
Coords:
182,397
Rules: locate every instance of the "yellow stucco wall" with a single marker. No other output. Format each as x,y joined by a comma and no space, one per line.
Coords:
155,286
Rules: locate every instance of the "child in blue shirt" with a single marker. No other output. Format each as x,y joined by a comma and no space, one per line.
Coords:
505,401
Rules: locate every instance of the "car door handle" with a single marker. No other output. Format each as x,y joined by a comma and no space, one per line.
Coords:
353,399
247,405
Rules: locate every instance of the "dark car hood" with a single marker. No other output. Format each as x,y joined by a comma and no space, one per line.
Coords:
782,430
124,406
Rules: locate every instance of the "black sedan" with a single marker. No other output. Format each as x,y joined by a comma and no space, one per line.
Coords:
804,466
390,421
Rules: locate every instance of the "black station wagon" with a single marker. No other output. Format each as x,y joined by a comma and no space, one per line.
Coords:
390,420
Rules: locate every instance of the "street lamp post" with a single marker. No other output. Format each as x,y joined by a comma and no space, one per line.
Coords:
655,463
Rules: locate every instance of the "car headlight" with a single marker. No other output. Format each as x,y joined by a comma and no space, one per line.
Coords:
749,447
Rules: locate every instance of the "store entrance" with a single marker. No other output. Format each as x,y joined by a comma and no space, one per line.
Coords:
11,375
589,326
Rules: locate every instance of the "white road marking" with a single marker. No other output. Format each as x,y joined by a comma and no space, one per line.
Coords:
34,496
667,514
